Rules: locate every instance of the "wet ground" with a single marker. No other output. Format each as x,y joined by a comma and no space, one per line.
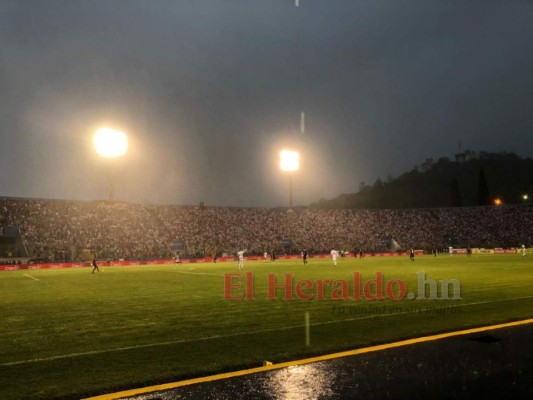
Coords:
495,364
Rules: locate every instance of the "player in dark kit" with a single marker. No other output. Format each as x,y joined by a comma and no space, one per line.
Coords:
412,255
95,266
304,256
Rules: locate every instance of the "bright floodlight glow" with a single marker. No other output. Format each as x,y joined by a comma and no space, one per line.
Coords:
525,196
110,142
289,160
498,202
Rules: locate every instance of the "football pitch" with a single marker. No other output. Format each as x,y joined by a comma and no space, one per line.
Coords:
70,334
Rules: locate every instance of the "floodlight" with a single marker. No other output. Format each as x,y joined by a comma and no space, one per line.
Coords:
110,143
289,160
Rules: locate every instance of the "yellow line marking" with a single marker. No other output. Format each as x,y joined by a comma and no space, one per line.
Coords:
173,385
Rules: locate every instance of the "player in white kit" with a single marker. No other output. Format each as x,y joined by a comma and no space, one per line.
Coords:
240,256
334,254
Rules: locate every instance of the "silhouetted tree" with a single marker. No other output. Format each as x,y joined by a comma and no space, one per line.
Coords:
456,198
483,194
432,186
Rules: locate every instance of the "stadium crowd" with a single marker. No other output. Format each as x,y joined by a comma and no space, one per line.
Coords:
66,230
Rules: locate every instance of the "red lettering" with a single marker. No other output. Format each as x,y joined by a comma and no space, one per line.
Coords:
272,286
402,289
320,288
357,285
229,286
341,290
249,286
301,286
377,284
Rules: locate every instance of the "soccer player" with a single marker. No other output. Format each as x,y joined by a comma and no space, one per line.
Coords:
265,256
240,256
450,250
95,266
304,256
334,254
524,251
412,255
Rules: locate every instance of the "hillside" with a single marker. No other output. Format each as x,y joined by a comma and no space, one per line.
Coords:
447,183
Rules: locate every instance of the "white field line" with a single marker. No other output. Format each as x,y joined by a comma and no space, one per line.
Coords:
32,277
196,273
142,346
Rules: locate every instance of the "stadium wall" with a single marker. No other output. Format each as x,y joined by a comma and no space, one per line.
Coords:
123,263
14,267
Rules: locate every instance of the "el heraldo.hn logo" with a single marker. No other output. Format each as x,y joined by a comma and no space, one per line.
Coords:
239,287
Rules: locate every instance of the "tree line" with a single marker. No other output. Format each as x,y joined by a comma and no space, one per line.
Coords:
470,179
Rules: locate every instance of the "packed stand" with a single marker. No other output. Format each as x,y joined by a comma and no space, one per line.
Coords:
66,230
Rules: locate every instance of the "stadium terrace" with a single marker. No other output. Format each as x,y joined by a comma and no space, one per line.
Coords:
68,231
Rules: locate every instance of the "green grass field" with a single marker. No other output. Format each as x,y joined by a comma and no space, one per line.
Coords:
70,334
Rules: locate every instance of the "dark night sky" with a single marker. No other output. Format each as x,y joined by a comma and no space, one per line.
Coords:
208,91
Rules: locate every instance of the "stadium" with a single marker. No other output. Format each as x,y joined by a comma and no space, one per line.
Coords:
146,319
60,231
186,213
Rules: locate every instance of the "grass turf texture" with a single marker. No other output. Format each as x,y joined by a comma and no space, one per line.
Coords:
69,334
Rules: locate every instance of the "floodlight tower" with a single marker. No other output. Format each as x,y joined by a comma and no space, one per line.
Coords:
289,161
111,144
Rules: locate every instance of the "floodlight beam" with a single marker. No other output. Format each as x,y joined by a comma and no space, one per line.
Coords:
289,161
111,144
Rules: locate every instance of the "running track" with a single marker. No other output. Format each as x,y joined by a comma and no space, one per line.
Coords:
488,363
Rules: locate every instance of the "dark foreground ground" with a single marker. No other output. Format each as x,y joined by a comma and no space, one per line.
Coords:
495,364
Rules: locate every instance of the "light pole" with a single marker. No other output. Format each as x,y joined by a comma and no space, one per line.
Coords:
110,143
289,161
